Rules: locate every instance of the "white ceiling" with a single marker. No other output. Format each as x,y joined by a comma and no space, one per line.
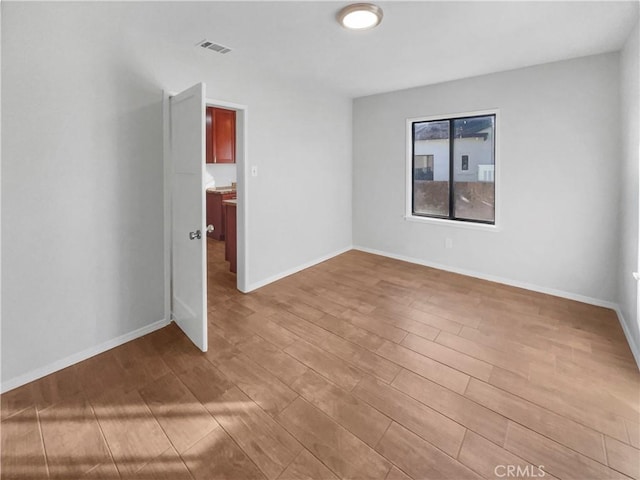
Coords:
418,43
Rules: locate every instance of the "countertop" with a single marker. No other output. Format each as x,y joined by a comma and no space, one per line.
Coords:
221,190
233,202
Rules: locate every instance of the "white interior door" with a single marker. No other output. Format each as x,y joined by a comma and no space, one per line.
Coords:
188,234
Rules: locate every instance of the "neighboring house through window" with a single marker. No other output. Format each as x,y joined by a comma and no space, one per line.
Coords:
453,168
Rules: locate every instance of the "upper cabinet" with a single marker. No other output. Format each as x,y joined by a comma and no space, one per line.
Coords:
221,135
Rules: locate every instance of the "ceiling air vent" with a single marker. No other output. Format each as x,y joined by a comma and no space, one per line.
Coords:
216,47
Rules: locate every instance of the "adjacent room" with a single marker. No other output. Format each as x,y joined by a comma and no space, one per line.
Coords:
320,240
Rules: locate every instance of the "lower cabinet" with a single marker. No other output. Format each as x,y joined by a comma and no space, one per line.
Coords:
216,213
230,248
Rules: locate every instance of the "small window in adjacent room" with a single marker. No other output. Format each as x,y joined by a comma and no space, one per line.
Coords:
440,189
465,162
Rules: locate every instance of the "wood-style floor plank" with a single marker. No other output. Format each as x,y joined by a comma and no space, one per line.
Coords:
326,364
434,427
22,455
300,327
182,417
374,325
71,426
438,372
261,386
131,431
269,446
396,474
491,461
55,388
17,400
272,359
475,417
487,354
408,325
420,459
448,356
355,415
265,327
605,422
558,460
218,457
623,457
434,321
167,466
633,431
307,467
358,367
572,434
361,358
104,471
350,332
335,446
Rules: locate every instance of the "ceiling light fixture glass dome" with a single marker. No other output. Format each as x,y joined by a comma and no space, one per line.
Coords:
360,16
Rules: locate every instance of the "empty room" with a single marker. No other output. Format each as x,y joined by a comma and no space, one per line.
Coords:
319,240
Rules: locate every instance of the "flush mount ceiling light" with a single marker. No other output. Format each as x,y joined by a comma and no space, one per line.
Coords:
360,16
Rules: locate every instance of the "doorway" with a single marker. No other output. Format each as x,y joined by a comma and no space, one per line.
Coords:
226,248
226,202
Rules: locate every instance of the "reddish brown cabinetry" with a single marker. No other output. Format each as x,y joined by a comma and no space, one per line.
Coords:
216,213
221,135
230,248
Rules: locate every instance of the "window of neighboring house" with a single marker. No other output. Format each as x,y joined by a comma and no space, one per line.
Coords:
424,167
446,183
465,162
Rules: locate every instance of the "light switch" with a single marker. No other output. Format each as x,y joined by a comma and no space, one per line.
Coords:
254,171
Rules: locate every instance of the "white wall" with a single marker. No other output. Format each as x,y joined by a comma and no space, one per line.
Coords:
82,172
558,231
223,173
628,247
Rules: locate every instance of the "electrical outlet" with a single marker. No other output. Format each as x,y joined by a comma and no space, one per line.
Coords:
448,243
254,171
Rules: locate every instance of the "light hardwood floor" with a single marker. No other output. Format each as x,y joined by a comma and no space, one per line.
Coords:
360,367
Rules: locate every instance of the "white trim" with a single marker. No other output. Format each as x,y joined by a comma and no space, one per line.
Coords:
408,213
166,160
291,271
492,278
80,356
635,349
443,222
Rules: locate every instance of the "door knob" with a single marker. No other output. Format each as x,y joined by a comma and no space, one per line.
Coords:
209,228
194,235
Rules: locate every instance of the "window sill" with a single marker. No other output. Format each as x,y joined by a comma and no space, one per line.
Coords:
453,223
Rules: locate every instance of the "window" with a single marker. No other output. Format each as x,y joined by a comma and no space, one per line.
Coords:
453,168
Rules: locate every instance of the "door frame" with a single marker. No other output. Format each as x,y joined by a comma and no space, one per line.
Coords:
242,187
242,183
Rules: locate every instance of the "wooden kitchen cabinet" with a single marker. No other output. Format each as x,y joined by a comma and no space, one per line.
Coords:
230,244
221,135
216,212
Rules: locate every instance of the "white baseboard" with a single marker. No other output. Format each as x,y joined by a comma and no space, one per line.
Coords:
261,283
80,356
492,278
633,345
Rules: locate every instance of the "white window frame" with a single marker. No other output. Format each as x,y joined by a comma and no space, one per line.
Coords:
409,216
